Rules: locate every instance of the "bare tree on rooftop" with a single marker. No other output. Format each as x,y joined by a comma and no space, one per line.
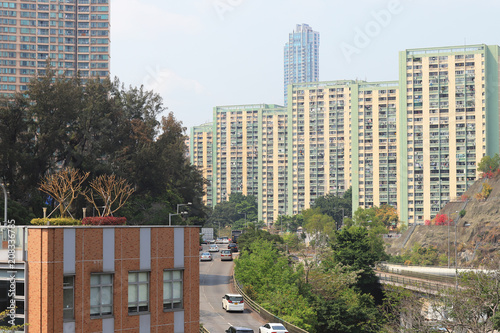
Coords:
112,190
64,186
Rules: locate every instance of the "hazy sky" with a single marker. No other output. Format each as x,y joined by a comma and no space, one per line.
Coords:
201,53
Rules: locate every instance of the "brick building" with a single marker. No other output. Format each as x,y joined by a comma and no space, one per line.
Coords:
107,279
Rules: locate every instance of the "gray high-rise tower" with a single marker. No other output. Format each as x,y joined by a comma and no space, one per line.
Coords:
301,57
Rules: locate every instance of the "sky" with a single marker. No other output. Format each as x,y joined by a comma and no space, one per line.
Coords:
198,54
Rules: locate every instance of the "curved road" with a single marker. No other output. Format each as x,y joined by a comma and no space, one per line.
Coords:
214,283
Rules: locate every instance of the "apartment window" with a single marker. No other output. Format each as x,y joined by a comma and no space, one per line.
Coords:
172,290
138,292
69,298
101,294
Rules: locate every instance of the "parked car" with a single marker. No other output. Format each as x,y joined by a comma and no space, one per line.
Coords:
233,302
226,255
237,329
273,328
233,247
206,256
213,248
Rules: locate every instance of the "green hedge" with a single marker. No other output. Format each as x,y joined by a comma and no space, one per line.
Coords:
56,221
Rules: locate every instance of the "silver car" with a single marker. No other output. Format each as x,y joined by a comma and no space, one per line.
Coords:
206,256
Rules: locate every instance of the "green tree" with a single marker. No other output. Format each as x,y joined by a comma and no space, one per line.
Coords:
275,284
251,236
334,206
101,127
231,212
320,227
489,163
349,312
353,247
403,311
473,306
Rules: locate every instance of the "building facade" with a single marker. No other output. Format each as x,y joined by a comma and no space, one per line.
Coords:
249,152
449,120
343,135
301,57
71,36
200,144
107,279
413,143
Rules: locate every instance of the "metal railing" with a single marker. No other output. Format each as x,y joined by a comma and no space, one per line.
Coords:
203,329
266,315
413,284
443,279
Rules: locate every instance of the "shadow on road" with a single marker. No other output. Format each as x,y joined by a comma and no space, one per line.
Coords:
213,280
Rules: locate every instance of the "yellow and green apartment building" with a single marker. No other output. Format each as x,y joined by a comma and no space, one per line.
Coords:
413,143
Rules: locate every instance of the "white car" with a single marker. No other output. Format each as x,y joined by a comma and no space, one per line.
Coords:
273,328
205,256
213,248
233,302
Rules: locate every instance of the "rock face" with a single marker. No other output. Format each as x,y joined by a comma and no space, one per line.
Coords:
477,232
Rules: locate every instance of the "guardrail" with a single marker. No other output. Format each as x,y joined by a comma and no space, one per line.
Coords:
425,276
266,315
203,329
413,284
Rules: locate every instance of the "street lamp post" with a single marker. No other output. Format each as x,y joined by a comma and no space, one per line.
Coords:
178,205
172,214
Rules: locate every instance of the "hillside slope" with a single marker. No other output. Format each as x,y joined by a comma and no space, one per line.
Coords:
477,232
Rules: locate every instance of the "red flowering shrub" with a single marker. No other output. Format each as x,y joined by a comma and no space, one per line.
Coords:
427,222
442,219
104,220
464,197
488,175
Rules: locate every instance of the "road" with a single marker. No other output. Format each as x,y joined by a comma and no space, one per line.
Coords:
214,283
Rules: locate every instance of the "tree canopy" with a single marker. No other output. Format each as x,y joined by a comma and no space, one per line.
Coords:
100,127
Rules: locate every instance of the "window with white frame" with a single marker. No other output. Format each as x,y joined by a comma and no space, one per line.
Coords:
138,292
172,289
101,294
69,298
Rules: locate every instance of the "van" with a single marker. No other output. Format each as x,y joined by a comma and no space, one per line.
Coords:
233,302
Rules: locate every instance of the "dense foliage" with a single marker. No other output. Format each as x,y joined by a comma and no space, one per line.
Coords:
101,127
56,221
489,164
333,289
236,212
422,256
334,206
